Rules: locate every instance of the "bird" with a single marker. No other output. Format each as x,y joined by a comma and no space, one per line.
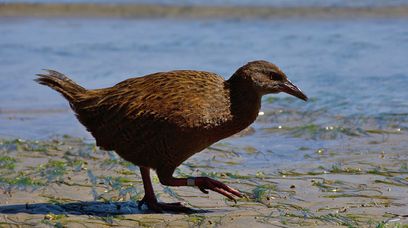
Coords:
158,121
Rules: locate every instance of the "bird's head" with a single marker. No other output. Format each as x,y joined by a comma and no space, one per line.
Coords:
266,77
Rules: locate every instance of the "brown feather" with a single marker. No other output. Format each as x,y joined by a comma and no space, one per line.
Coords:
160,120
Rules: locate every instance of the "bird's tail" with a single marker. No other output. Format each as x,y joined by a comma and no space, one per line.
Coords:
61,83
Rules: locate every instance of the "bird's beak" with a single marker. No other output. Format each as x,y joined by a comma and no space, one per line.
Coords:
291,89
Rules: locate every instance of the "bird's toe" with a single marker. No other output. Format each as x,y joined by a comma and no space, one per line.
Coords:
159,207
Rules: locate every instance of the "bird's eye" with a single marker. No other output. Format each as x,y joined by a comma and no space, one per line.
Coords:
274,75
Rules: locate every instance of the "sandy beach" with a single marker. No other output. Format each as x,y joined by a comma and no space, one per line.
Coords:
67,182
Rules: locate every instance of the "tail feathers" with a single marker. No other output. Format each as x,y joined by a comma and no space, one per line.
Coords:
61,83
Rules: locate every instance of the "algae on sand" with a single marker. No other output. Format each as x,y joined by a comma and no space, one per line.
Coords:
69,181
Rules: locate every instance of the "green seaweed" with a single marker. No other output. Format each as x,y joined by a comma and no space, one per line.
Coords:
303,148
56,200
21,180
116,188
250,150
263,194
380,131
53,169
388,224
7,162
378,171
197,220
325,186
27,145
285,173
390,183
270,99
77,164
336,168
339,219
321,131
125,172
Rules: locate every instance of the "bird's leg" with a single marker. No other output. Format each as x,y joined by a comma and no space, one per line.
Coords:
150,199
203,183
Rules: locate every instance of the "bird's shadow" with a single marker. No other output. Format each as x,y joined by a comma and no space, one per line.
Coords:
94,208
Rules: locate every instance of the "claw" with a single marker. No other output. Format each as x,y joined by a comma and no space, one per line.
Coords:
204,183
203,190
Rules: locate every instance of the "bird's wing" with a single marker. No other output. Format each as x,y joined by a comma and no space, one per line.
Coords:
186,99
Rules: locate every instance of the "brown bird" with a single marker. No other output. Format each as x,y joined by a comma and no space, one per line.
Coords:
159,120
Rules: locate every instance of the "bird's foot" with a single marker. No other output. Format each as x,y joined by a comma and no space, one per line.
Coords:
204,183
157,207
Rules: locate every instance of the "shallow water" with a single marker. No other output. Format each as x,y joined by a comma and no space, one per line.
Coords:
349,68
353,71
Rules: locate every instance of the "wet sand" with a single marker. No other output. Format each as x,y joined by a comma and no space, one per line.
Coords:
87,10
67,182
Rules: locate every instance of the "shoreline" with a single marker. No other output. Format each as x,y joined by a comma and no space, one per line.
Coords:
89,10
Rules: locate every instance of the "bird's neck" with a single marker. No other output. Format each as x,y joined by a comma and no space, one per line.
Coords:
245,102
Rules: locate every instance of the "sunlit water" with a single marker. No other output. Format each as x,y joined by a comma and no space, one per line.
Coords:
354,71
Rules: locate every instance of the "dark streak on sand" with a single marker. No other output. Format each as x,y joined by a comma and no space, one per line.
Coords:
89,10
